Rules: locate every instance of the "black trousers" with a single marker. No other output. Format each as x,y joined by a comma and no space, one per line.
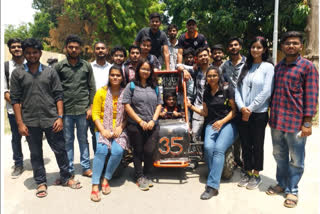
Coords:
144,144
252,135
57,143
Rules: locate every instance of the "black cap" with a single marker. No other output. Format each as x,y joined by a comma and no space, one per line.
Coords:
191,20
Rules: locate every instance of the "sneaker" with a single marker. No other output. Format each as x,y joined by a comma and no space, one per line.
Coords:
143,184
149,181
244,180
209,193
254,182
17,171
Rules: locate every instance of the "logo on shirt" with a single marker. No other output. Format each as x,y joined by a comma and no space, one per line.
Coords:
195,43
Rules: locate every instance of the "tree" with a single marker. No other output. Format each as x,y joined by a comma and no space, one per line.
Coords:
22,32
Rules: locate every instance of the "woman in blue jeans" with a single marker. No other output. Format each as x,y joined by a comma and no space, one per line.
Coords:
110,120
218,109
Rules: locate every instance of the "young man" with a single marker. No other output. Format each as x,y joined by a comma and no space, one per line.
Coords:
217,55
293,105
100,68
17,60
131,64
145,47
79,88
159,39
173,45
118,55
36,95
190,39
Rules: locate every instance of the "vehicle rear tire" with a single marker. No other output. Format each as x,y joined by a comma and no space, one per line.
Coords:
228,164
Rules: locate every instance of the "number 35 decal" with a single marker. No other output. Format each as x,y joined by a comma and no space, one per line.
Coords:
165,142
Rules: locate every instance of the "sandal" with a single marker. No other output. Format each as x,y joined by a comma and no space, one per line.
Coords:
87,173
95,196
105,188
74,185
43,192
291,201
274,190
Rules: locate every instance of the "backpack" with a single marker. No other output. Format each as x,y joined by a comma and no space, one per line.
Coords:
133,86
6,71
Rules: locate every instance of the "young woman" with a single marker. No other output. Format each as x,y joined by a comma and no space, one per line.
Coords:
109,117
143,105
252,97
218,109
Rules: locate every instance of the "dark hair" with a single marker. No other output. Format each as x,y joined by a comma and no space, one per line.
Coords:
207,89
154,15
172,26
151,81
13,40
188,51
146,39
170,94
31,43
119,48
289,34
265,57
73,38
117,67
134,47
99,42
233,38
217,47
199,50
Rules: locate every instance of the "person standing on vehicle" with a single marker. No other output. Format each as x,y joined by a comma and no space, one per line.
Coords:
79,88
17,60
219,109
145,47
294,103
253,92
217,55
173,45
109,117
130,66
143,104
36,96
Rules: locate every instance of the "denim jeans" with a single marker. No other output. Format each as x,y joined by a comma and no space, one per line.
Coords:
289,153
81,123
215,145
93,135
57,143
100,158
15,141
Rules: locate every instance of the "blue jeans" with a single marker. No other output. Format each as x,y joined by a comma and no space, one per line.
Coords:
69,122
100,158
289,153
215,145
15,141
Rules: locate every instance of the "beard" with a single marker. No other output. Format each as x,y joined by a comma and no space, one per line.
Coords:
234,53
172,37
101,56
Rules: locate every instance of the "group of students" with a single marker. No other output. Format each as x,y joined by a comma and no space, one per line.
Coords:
226,101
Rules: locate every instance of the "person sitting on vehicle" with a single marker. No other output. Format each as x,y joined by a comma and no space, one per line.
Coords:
110,119
170,110
219,109
143,104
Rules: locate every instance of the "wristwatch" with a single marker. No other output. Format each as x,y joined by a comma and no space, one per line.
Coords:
307,124
60,116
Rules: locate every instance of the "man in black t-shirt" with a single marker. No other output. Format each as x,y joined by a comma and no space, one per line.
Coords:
158,39
191,39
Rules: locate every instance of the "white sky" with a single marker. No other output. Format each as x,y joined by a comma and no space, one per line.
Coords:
16,12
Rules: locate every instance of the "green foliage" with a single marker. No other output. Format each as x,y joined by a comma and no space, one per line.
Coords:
22,32
42,25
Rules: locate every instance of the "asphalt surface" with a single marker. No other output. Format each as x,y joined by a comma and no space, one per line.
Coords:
177,191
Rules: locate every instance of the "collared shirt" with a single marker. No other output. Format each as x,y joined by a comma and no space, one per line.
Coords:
100,73
196,42
12,65
232,72
129,71
158,40
38,94
296,88
173,52
78,86
256,88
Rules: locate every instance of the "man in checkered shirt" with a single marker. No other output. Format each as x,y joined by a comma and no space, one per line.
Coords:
293,105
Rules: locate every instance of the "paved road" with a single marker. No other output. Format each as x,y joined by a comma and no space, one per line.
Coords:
168,196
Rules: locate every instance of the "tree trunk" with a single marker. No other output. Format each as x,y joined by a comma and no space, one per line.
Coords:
312,30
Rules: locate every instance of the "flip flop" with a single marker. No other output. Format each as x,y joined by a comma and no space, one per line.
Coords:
105,188
274,190
291,201
39,192
95,196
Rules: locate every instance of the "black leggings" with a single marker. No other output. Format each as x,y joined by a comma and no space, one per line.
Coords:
144,145
252,135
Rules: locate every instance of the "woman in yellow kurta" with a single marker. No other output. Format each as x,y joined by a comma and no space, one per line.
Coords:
110,120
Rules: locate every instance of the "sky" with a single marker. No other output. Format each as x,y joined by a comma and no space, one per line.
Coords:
16,12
